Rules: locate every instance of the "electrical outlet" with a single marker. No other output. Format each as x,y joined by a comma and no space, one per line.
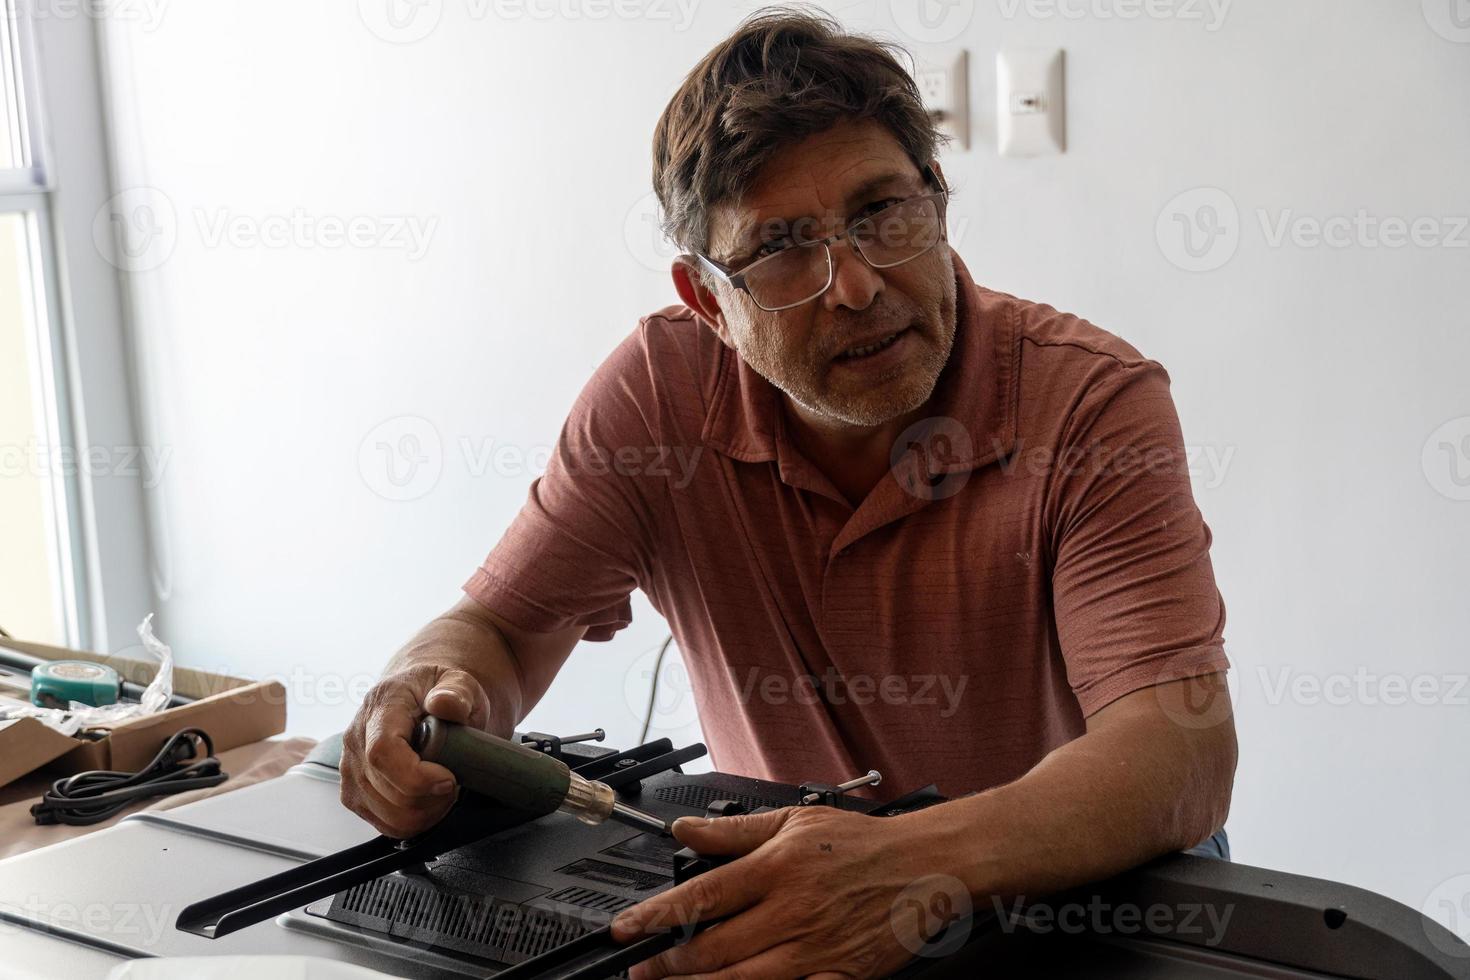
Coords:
933,87
945,90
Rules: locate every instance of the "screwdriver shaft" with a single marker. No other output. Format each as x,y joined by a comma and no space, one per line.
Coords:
634,817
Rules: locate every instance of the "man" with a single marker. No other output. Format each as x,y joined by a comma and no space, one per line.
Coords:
929,529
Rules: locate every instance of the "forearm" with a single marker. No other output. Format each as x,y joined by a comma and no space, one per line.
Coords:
459,639
1107,801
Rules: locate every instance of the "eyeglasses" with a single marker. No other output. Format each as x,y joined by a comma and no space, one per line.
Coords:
801,272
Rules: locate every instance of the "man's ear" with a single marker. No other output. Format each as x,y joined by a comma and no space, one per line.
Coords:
690,286
938,172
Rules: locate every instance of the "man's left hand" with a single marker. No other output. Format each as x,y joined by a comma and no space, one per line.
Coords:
815,894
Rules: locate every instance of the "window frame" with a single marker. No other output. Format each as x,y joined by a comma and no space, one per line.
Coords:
80,365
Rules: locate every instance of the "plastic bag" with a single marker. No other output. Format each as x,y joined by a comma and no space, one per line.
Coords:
68,721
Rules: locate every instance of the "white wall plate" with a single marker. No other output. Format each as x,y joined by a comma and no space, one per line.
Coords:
1030,108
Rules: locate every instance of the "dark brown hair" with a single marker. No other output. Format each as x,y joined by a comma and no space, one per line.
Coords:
785,74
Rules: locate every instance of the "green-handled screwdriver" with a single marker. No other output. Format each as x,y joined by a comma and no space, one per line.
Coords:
519,777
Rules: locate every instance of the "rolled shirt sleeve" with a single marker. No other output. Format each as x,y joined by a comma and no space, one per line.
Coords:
1134,593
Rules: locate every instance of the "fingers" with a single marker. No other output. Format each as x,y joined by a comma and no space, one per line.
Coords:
457,696
393,767
715,894
392,813
392,819
730,835
383,779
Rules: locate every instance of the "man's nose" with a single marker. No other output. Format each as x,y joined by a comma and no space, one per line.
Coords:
855,284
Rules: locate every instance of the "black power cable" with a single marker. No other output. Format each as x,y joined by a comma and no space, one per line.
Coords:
658,664
91,797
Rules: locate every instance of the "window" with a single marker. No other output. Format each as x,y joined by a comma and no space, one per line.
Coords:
41,593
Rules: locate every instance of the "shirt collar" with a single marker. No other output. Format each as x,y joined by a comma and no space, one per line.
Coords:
977,389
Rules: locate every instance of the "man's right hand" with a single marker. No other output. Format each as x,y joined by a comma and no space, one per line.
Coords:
383,779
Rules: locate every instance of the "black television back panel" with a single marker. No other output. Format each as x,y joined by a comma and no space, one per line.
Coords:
510,897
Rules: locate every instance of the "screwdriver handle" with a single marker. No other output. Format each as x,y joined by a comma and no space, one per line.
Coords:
510,774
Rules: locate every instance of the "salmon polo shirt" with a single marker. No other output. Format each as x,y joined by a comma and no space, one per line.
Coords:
1034,553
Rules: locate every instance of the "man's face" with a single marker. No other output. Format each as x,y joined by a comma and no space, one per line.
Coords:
821,354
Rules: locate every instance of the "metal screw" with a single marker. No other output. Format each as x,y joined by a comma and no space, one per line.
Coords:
874,777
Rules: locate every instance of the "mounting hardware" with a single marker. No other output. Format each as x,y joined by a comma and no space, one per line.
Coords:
551,744
820,794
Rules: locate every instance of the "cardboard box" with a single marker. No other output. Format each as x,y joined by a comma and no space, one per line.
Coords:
233,710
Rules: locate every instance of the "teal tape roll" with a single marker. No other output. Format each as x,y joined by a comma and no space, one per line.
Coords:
56,684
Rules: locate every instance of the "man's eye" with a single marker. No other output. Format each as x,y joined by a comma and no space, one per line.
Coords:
770,248
877,206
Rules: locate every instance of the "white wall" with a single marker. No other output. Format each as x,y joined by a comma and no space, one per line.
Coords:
1315,375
